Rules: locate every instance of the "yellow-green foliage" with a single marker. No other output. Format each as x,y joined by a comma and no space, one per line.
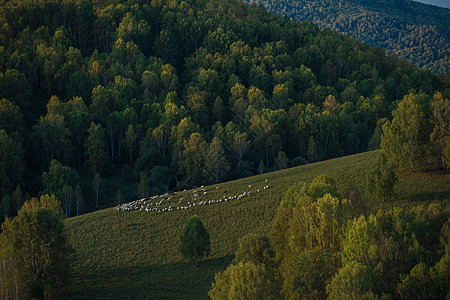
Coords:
134,254
243,281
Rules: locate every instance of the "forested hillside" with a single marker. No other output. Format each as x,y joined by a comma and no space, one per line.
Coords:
106,101
418,32
134,253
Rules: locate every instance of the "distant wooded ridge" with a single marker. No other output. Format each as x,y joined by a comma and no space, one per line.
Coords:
420,33
440,3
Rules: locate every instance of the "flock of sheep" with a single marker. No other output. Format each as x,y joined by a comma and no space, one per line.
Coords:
168,202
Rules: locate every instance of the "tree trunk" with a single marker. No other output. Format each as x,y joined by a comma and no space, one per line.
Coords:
239,163
112,142
70,203
131,153
96,195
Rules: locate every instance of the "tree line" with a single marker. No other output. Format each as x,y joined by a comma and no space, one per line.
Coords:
103,102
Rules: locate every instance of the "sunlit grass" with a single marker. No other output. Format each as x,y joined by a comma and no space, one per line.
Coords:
134,254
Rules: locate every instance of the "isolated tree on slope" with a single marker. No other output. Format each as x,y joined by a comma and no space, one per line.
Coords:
380,180
195,240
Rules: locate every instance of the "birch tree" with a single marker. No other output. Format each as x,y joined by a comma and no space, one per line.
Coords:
95,147
405,138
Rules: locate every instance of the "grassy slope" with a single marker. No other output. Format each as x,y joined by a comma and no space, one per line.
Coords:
134,254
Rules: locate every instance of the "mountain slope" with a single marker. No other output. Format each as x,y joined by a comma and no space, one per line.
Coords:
160,88
133,254
418,32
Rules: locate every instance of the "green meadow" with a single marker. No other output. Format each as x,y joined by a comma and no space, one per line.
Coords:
134,254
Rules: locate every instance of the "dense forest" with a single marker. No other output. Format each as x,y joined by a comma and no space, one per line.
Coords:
317,249
108,101
412,30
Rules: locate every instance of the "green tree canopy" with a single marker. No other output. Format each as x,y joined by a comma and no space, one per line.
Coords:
216,165
11,118
194,157
39,244
53,137
11,162
307,233
404,139
56,178
256,249
243,281
194,241
441,127
381,179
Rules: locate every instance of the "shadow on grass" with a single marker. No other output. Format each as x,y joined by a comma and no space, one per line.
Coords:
444,195
165,281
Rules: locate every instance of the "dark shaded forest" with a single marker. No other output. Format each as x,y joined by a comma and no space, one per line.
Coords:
107,101
412,30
